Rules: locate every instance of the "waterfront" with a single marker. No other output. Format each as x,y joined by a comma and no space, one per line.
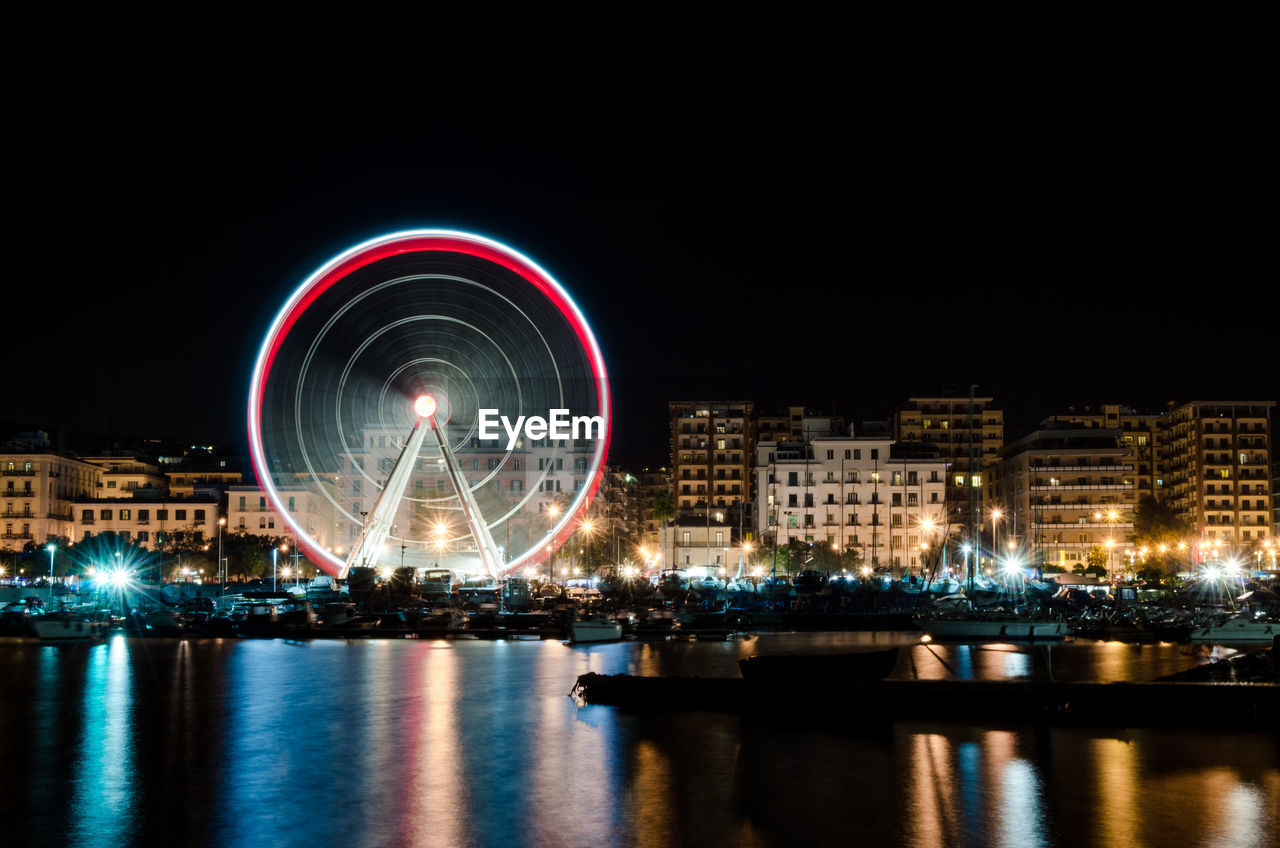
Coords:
412,742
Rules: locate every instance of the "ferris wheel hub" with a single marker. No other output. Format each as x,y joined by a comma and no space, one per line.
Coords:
425,406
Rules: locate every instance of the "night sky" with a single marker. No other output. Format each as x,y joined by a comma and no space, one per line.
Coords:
818,231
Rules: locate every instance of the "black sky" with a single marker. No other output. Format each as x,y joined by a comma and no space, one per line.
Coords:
1063,230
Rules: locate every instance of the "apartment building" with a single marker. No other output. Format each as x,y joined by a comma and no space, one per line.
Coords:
149,523
1141,434
1217,472
955,427
853,493
38,489
1061,491
711,444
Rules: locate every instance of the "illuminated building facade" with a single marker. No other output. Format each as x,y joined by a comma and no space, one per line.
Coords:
38,487
1218,469
1141,435
150,524
852,493
1061,491
711,443
954,427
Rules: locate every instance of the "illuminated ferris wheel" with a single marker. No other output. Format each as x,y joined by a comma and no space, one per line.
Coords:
429,398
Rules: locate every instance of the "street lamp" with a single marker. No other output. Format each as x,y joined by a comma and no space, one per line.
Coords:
222,575
996,515
552,511
586,527
51,548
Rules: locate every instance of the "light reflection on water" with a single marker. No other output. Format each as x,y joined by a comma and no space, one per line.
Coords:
475,743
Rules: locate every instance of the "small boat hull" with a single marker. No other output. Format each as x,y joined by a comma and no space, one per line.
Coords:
56,629
594,631
1237,632
1002,630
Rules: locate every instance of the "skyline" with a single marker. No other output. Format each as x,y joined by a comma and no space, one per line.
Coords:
762,249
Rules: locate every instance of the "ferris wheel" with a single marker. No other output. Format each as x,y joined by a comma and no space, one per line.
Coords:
429,398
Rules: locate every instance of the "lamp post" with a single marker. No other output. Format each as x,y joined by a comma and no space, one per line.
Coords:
996,515
222,575
552,511
586,527
51,548
274,551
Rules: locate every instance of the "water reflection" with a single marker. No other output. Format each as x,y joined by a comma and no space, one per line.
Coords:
475,743
102,785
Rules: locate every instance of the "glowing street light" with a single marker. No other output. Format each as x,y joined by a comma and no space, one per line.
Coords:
51,548
996,515
552,511
222,574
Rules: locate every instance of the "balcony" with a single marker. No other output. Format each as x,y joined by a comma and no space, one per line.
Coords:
16,536
1085,487
17,472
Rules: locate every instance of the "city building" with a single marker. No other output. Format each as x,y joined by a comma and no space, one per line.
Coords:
958,428
650,484
130,476
150,524
202,483
783,425
711,545
1141,434
249,512
1061,491
854,494
1217,472
711,443
38,487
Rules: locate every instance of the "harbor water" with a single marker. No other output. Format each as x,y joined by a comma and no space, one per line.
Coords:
227,742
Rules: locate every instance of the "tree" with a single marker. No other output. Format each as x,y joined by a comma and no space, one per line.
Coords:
1155,523
1095,562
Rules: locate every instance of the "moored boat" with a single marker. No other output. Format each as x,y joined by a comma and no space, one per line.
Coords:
67,627
995,628
1239,629
594,630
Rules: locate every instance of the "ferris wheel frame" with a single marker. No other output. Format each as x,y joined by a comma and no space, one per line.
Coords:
425,241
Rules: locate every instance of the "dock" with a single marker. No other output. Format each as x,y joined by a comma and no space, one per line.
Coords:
1159,704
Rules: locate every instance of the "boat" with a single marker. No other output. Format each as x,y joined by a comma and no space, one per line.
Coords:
66,627
29,618
594,630
1237,630
993,628
163,622
656,625
815,669
436,584
442,620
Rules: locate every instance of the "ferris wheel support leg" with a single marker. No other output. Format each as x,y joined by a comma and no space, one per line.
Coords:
378,523
470,509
